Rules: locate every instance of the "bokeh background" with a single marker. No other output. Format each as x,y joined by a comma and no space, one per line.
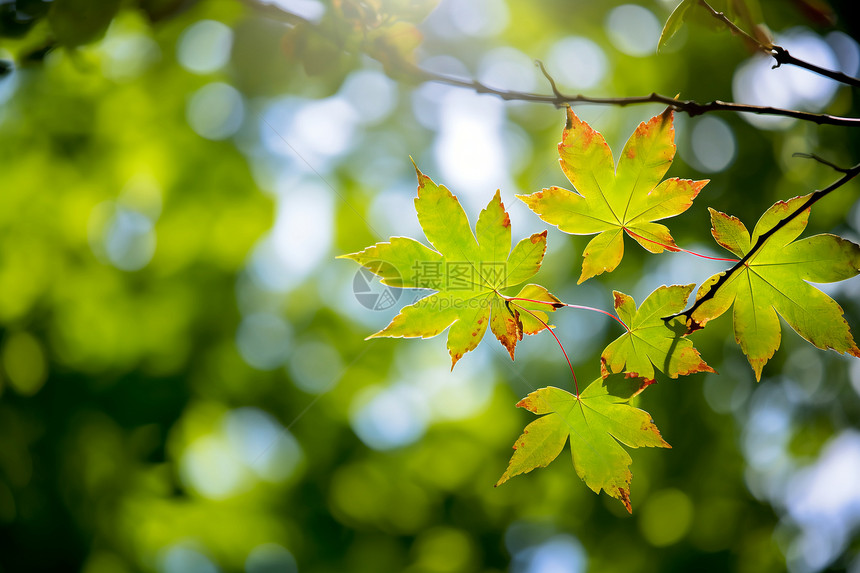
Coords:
184,384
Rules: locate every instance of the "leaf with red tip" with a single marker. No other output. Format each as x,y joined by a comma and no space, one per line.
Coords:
651,341
610,202
468,272
597,423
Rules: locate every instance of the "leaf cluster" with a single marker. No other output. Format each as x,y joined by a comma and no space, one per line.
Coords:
473,274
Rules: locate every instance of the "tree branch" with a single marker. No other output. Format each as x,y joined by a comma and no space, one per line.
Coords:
690,107
782,56
692,324
779,53
396,66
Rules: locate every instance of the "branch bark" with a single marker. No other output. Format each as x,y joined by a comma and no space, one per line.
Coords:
779,53
690,107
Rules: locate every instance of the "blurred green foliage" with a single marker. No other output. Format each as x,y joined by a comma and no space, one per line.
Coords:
184,384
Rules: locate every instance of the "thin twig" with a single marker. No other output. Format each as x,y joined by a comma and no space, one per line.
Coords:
550,79
821,160
782,56
734,29
814,197
779,53
401,69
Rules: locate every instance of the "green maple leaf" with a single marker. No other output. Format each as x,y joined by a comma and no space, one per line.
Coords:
613,202
467,273
651,341
674,22
595,422
773,281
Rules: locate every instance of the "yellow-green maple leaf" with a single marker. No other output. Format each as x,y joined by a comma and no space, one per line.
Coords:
611,202
773,281
652,342
467,272
596,421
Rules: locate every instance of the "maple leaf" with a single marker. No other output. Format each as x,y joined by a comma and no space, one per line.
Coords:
773,281
651,341
612,202
674,22
467,273
596,421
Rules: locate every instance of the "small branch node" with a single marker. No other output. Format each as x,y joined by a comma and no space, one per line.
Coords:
558,95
